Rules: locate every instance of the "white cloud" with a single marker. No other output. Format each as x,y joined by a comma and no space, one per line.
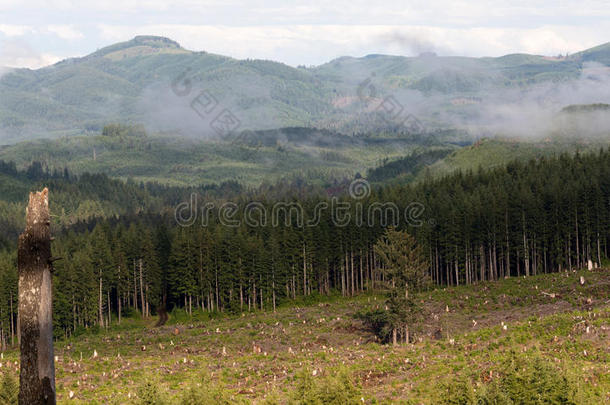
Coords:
15,30
315,31
18,53
315,44
65,31
129,6
359,12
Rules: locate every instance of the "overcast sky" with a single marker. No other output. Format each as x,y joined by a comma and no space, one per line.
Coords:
36,33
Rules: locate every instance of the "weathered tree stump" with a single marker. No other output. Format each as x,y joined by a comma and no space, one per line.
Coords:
37,378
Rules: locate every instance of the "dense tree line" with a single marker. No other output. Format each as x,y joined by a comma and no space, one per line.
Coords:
407,166
78,198
523,219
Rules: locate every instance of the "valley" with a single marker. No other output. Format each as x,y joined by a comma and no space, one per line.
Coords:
413,228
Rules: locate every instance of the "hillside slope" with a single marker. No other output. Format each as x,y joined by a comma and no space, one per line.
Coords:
249,157
154,81
133,81
490,153
472,337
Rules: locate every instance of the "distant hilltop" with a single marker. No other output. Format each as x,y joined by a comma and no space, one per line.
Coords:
578,108
138,46
153,40
135,81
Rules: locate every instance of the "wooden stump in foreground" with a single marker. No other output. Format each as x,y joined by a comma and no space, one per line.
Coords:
37,378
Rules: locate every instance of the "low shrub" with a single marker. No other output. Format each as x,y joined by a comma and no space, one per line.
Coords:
9,390
208,392
336,388
521,380
149,394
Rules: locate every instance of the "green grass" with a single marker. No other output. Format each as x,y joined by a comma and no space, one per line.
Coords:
317,352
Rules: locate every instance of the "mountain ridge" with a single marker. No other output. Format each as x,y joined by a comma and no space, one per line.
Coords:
131,82
156,41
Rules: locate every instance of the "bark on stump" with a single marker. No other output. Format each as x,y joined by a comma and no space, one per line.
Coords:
37,378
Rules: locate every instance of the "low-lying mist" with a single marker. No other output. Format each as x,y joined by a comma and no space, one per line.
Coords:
538,111
517,96
489,108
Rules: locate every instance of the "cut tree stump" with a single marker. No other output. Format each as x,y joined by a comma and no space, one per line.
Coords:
37,377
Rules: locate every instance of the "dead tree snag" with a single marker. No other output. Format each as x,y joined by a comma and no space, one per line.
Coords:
37,378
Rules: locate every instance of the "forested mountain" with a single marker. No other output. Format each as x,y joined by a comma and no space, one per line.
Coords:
80,198
133,81
516,220
154,81
247,157
267,156
493,152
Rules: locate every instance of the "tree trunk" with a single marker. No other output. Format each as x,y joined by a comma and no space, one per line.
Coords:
142,291
118,294
135,286
304,270
73,313
273,287
526,256
342,282
507,271
599,256
37,377
109,311
101,309
12,323
260,293
241,297
119,306
577,242
361,273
